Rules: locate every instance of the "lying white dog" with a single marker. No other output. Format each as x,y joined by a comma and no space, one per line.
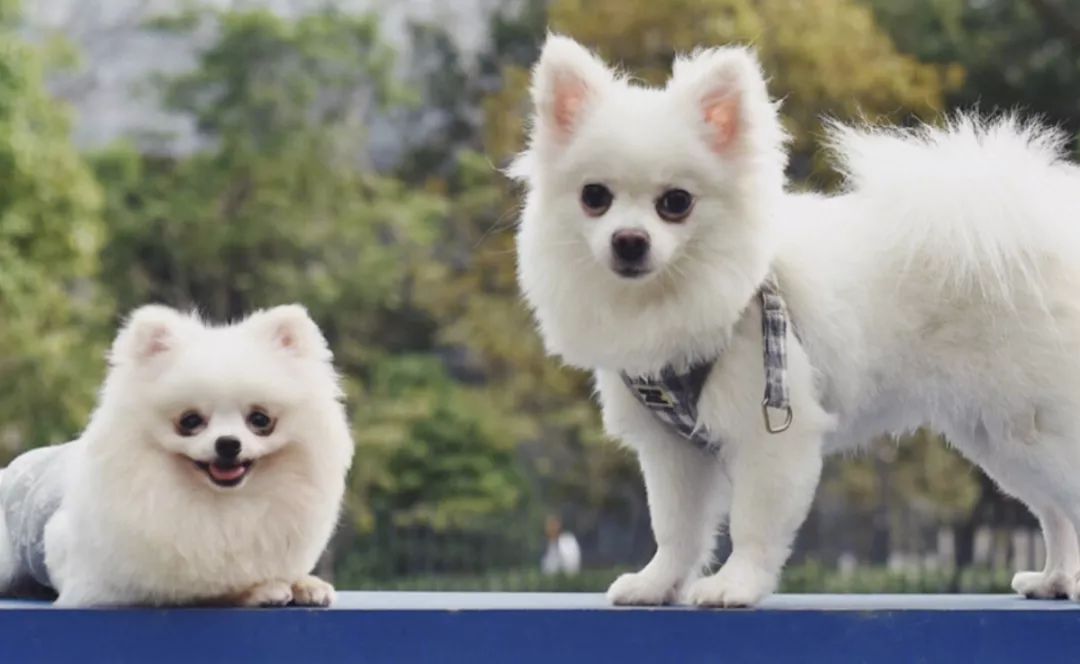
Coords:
212,471
942,289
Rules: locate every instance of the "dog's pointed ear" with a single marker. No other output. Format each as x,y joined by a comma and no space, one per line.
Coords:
727,90
291,329
150,332
566,80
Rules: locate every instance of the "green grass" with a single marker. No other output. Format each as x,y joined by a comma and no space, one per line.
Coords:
814,578
804,578
518,580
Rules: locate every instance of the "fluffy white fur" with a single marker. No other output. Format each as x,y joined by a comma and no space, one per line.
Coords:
941,289
140,523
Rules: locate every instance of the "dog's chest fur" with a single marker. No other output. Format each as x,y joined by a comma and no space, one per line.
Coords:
169,544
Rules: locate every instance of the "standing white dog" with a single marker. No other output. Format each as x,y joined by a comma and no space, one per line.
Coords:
212,471
942,289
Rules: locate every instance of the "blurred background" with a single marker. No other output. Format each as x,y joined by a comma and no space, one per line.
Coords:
233,155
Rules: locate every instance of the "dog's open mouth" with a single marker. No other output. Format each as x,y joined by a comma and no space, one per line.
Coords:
224,475
631,272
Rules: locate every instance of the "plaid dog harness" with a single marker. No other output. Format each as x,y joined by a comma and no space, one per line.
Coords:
673,397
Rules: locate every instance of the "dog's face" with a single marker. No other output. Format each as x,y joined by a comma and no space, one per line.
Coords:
225,402
634,221
637,175
646,223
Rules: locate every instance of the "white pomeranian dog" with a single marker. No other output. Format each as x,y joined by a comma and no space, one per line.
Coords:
659,249
212,471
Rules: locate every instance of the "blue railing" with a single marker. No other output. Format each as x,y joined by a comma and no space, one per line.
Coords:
555,628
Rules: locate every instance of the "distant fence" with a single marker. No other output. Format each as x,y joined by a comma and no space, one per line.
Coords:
840,549
393,554
412,559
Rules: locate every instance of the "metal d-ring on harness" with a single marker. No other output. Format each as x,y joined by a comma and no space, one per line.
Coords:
673,397
774,325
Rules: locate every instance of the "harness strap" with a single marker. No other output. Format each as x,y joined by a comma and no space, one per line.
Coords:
774,324
673,397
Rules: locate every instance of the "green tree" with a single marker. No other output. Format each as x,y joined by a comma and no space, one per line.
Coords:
1017,54
449,461
50,234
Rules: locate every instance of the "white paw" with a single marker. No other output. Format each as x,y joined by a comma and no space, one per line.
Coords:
736,584
270,593
641,589
75,596
1041,585
312,591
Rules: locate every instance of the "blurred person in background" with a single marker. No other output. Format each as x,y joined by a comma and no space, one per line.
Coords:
563,555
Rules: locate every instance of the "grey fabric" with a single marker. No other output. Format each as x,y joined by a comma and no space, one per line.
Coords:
30,492
774,324
672,397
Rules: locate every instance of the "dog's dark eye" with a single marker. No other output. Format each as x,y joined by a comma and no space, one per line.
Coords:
674,204
260,423
190,423
596,199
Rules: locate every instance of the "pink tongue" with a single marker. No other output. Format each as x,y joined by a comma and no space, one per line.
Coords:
226,474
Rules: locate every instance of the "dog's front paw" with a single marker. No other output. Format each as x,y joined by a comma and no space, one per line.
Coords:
736,584
269,593
1043,585
312,591
641,589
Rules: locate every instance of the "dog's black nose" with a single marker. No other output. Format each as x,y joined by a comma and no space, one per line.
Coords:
630,245
227,447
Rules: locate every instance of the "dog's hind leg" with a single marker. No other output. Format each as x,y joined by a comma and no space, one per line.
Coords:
1057,577
1030,469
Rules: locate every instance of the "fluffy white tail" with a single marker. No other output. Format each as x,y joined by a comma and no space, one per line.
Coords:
979,203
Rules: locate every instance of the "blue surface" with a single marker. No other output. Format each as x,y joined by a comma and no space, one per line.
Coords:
560,628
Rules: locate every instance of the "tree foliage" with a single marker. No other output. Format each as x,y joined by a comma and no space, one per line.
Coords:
50,234
1022,54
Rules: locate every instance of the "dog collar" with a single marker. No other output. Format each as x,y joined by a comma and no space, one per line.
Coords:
673,396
